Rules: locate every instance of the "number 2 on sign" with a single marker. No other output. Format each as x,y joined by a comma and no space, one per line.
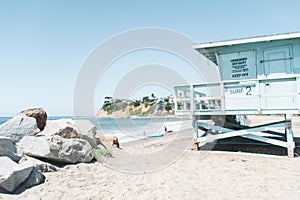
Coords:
248,88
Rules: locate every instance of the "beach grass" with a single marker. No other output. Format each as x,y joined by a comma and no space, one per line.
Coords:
100,154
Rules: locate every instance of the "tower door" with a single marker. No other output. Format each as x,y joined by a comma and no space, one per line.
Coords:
277,61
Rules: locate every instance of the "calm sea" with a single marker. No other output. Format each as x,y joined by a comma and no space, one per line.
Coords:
126,129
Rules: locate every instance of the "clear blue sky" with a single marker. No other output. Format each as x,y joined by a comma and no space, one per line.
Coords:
44,43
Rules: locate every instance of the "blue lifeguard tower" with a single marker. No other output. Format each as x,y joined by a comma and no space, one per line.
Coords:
259,76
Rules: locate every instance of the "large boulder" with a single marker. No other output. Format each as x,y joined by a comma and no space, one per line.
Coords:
87,131
68,128
8,148
19,126
44,166
57,149
17,177
36,177
62,127
39,114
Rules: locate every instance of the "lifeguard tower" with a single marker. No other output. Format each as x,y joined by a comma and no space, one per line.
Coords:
259,76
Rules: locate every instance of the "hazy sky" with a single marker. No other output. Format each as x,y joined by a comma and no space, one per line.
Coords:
44,43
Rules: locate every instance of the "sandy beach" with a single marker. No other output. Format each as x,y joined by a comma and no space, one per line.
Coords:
166,168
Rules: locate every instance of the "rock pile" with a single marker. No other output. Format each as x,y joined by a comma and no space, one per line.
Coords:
29,137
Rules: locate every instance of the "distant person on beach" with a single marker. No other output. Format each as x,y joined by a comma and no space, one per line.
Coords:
115,141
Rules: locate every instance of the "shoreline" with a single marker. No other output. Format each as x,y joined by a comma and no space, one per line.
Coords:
145,117
156,128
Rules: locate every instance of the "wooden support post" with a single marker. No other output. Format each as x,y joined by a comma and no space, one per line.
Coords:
195,128
196,146
289,136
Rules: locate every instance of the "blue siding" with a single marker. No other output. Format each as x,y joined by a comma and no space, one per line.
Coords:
296,58
259,47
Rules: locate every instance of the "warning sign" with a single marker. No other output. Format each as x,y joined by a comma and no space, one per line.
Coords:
239,65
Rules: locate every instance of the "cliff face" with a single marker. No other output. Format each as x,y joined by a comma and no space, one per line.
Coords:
140,108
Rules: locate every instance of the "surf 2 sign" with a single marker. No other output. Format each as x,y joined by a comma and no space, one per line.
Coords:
240,91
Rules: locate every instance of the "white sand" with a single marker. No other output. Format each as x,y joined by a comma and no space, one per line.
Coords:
194,175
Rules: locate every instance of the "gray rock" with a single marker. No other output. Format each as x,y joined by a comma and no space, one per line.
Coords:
8,148
34,146
36,177
14,176
19,126
62,127
44,166
68,128
57,149
87,131
68,133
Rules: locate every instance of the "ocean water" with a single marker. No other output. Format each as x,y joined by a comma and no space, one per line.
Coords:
127,129
130,129
4,119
